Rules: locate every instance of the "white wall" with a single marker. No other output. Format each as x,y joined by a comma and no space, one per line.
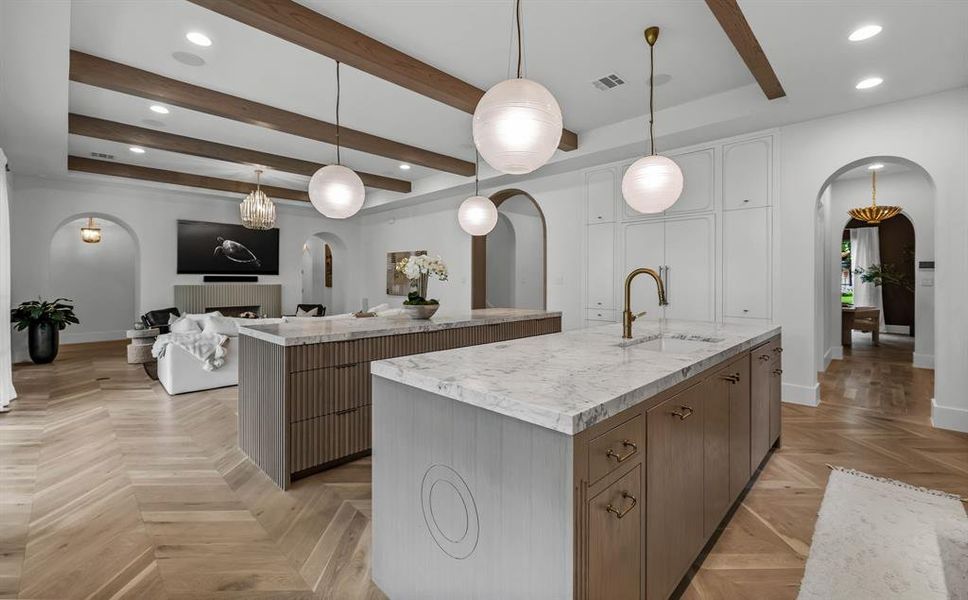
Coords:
932,132
501,263
432,226
101,279
528,252
39,206
912,191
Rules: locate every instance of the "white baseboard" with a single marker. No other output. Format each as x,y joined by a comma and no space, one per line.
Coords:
899,329
949,417
832,353
808,395
923,361
93,336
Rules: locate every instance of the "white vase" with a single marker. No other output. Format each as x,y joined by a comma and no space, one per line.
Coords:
420,311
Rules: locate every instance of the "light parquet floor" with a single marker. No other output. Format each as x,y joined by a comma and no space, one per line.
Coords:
109,488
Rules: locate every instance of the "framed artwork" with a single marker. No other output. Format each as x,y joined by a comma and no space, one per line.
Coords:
397,283
226,248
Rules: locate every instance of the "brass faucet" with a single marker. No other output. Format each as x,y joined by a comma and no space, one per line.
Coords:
627,316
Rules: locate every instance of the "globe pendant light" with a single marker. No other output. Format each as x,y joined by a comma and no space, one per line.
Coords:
336,191
653,183
517,123
91,233
257,210
477,215
874,214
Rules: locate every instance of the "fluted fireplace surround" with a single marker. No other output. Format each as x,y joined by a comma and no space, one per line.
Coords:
202,297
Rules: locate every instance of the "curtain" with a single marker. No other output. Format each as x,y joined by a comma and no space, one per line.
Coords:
865,250
7,393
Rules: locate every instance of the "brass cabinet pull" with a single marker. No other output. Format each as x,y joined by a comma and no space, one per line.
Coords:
732,377
778,350
764,357
683,412
777,371
622,458
621,513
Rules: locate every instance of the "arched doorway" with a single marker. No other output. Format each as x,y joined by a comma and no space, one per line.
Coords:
102,279
515,269
321,272
888,267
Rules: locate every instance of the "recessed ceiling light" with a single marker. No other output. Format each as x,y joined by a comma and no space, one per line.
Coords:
161,110
875,167
866,84
137,150
199,39
404,167
864,33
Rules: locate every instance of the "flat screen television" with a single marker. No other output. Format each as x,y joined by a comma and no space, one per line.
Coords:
225,248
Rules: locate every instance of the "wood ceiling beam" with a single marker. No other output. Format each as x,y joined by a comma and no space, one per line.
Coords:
734,23
103,167
111,75
159,140
305,27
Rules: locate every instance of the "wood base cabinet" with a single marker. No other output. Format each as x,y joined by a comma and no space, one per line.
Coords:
683,457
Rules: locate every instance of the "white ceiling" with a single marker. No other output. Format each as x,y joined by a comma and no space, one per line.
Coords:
568,43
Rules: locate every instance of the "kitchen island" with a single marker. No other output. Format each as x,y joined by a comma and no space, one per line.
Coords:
575,465
304,386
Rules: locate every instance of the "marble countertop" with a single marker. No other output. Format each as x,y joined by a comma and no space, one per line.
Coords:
335,330
572,380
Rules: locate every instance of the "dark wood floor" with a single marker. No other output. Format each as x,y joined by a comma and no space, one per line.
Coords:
109,488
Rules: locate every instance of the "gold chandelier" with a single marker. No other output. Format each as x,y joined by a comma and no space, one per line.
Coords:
874,214
257,210
91,233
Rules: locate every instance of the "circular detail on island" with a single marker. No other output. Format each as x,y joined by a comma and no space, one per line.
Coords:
449,511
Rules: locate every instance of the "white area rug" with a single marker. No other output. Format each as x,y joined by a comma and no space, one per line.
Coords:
881,539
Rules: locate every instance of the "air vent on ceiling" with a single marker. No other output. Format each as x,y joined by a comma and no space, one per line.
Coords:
610,81
102,155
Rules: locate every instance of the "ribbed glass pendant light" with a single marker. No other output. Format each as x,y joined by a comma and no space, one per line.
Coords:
653,183
517,123
257,210
337,191
477,215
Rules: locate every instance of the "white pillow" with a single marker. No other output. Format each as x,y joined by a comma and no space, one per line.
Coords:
220,325
197,317
184,325
313,312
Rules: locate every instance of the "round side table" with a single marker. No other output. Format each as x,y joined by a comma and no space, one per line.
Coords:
139,350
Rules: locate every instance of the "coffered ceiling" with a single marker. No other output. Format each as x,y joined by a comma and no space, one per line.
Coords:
568,44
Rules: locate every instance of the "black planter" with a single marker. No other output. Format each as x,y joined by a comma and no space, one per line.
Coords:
43,340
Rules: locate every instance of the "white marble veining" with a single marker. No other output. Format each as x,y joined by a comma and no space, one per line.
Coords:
335,330
570,381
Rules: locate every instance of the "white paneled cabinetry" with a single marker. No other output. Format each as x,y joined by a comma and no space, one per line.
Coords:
713,248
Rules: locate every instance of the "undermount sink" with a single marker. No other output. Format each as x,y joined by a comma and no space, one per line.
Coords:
674,343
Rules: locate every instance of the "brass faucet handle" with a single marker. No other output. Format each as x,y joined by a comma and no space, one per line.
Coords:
637,315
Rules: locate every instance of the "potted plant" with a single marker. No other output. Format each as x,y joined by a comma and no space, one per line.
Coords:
418,270
43,320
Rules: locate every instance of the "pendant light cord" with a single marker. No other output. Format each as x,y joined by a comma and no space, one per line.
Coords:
338,161
477,170
652,97
517,18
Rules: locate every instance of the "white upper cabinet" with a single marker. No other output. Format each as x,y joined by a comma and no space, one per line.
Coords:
600,193
690,268
698,177
746,263
601,266
746,173
644,247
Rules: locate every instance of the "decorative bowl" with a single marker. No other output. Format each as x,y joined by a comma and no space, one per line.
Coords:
420,311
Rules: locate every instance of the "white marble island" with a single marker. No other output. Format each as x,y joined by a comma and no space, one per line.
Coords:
519,469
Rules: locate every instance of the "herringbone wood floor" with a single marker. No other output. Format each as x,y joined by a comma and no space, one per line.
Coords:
111,489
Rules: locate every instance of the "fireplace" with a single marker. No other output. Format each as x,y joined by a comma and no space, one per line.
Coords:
235,311
230,298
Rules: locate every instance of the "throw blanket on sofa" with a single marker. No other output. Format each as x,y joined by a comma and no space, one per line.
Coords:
206,347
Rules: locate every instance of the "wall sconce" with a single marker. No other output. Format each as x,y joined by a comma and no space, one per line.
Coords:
91,234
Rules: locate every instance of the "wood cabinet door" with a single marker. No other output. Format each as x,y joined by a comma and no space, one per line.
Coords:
760,380
615,566
739,428
674,528
716,446
776,382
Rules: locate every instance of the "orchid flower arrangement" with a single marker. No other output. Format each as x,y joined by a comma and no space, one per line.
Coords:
418,269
